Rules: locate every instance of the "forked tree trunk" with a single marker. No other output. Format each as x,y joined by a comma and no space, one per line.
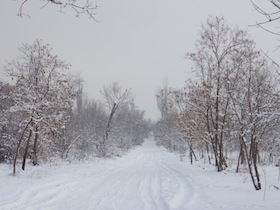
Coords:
26,149
18,146
255,178
192,154
103,149
215,153
220,160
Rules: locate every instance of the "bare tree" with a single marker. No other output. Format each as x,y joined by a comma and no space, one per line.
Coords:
42,97
215,46
162,99
190,120
94,130
234,101
80,7
168,134
115,98
254,97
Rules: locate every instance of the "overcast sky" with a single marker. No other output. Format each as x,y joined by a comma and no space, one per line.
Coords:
138,43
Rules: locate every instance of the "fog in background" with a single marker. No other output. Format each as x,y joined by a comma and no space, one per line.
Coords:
138,43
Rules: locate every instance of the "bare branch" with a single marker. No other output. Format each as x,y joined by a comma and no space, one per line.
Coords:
86,7
265,29
20,11
269,16
277,69
55,2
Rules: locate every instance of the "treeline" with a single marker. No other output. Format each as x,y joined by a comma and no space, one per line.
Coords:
45,115
231,106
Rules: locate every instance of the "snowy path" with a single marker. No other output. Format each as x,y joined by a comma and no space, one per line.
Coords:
146,178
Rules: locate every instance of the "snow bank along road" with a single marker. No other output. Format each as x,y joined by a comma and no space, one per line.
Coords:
146,178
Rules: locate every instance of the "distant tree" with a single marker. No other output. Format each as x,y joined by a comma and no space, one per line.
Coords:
8,124
80,7
116,98
168,133
42,97
74,132
100,128
85,130
190,119
162,99
137,126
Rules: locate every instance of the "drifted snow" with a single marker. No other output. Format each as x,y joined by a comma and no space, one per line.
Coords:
147,178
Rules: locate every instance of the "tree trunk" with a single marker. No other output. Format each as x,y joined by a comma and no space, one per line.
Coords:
207,150
18,146
191,153
26,149
216,157
103,149
255,153
255,180
222,159
191,157
35,147
239,157
68,148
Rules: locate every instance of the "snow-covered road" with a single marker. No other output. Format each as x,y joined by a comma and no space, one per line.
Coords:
146,178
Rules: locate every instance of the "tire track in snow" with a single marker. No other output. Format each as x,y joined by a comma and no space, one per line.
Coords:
147,178
184,191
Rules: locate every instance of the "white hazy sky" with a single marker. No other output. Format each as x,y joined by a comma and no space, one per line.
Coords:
139,43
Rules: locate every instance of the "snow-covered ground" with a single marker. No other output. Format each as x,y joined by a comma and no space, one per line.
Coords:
148,177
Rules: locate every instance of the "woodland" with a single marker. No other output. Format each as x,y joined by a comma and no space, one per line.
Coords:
228,114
